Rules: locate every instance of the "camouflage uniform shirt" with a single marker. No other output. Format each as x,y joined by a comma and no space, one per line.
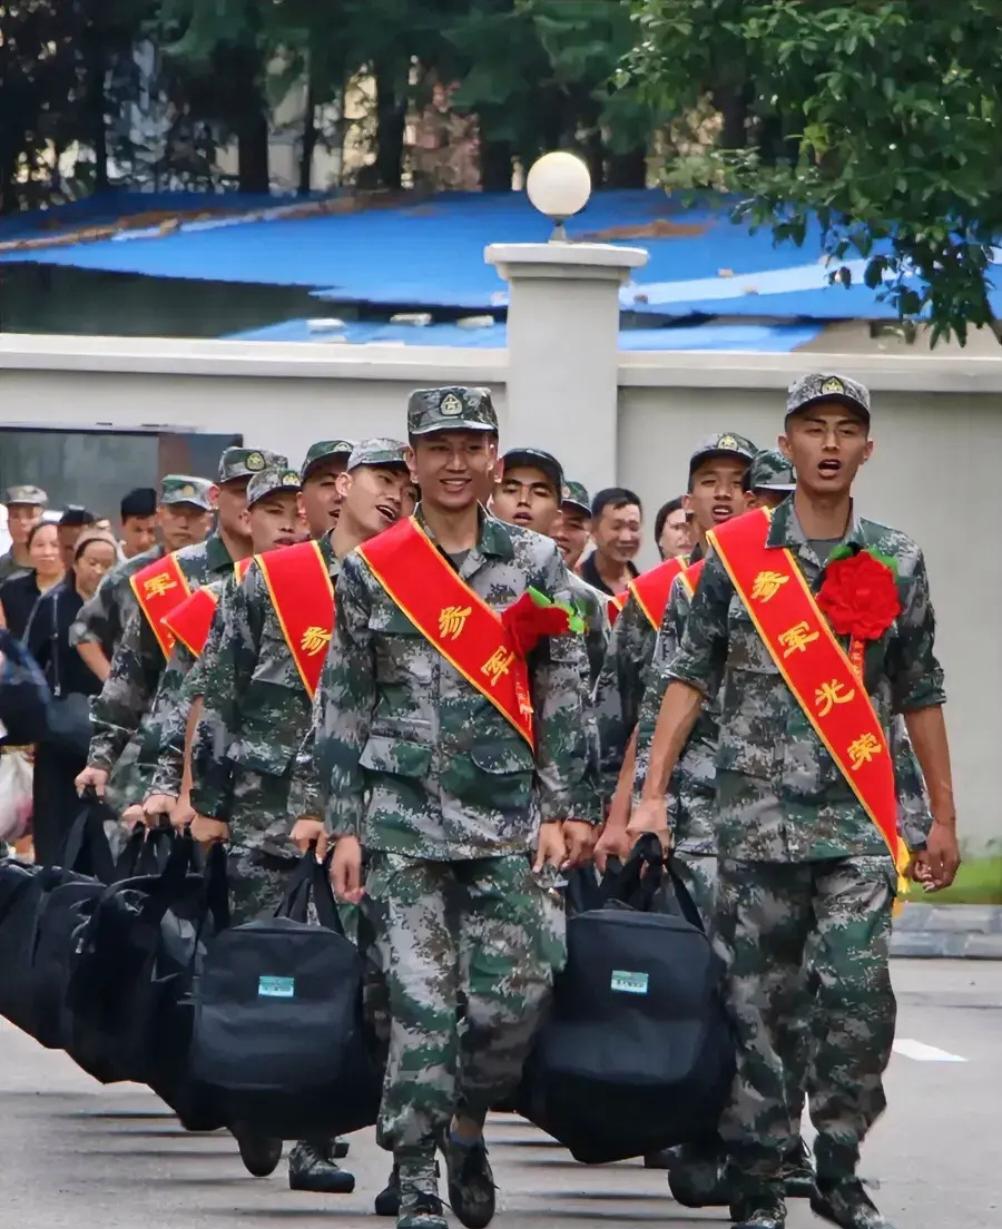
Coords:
780,796
138,665
255,710
620,686
416,761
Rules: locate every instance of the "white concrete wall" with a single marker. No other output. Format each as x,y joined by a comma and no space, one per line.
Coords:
935,474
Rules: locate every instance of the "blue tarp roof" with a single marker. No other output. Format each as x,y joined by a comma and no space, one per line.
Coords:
429,253
760,338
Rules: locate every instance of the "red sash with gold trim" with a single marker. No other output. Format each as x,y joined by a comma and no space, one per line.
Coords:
814,665
614,606
651,591
191,619
301,592
690,577
159,587
453,618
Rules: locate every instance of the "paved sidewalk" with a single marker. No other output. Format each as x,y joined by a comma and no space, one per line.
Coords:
970,932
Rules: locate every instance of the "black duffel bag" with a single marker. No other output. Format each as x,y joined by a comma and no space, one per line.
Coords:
66,907
25,892
132,956
636,1054
279,1043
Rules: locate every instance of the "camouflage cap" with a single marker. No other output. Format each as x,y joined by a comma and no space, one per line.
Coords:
576,494
546,462
33,495
246,462
186,489
450,409
267,481
771,471
724,444
822,386
380,451
323,450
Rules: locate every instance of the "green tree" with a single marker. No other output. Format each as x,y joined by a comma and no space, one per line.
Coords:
880,117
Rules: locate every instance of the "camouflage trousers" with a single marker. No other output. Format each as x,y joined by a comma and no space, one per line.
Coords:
772,921
469,951
125,782
698,873
257,883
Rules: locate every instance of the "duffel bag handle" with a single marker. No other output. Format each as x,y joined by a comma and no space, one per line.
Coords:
311,881
649,879
86,844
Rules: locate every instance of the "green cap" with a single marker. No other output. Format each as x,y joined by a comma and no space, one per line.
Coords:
186,489
822,386
377,452
33,495
576,494
267,481
724,444
545,462
771,471
323,450
450,409
246,462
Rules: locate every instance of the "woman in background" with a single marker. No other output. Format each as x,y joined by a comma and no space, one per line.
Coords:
19,594
69,679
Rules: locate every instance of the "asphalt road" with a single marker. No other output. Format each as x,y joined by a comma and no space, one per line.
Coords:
80,1156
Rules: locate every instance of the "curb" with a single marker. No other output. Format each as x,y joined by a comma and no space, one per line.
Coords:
958,932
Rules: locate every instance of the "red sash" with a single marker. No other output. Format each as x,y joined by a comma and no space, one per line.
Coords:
814,665
690,577
301,592
191,619
651,590
453,618
614,606
159,587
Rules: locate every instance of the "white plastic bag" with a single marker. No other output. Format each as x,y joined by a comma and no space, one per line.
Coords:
16,770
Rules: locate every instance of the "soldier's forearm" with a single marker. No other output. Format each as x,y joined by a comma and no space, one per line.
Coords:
927,730
94,659
680,710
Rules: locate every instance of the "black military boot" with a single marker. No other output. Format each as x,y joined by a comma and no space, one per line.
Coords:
471,1182
847,1204
312,1168
762,1211
259,1153
388,1200
699,1177
798,1172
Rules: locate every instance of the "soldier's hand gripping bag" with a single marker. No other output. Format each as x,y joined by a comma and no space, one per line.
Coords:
636,1054
278,1042
26,892
132,959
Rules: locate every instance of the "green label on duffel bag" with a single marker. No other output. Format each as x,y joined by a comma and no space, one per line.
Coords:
276,987
629,983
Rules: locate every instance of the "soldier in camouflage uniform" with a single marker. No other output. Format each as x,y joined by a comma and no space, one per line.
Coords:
184,517
804,874
449,802
138,667
168,789
715,494
25,508
572,531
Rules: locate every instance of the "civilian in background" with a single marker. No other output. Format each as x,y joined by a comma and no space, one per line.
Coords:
671,530
139,522
71,525
19,594
25,505
616,523
47,638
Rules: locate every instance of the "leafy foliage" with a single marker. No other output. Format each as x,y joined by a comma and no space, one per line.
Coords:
879,117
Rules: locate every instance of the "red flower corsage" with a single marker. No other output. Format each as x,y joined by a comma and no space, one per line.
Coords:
860,597
534,616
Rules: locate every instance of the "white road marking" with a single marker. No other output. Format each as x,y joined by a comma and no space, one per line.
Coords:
923,1053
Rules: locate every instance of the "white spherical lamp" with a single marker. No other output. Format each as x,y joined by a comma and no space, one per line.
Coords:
559,185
